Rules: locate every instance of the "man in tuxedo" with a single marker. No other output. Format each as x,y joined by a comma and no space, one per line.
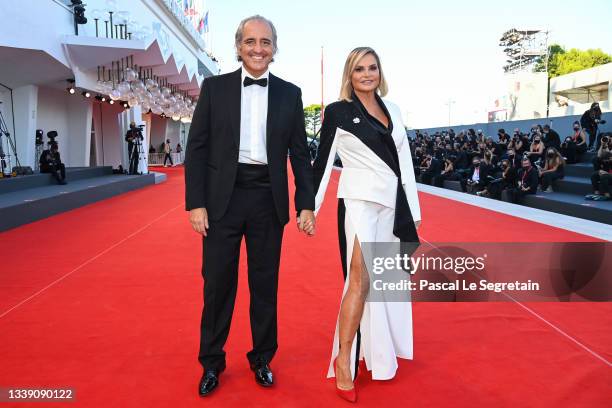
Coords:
244,124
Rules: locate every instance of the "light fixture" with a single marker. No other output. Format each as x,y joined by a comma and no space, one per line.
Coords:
125,105
86,94
70,88
111,102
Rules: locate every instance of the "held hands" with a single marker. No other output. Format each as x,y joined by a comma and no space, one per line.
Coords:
306,222
198,217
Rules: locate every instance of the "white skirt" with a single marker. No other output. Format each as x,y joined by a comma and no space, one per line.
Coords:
386,327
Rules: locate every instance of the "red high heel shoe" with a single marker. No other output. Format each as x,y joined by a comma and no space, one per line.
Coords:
348,395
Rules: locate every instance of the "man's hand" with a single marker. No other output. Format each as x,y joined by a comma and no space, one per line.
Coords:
198,217
306,222
417,224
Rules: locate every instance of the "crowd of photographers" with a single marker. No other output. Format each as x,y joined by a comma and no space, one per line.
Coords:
518,163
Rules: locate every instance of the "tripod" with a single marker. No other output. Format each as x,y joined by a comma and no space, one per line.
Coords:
10,148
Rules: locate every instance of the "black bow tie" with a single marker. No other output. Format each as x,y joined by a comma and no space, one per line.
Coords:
248,81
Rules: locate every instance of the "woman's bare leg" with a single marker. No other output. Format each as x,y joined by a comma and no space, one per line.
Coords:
351,311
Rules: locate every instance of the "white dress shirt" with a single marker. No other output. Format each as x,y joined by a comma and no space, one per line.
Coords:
253,118
476,175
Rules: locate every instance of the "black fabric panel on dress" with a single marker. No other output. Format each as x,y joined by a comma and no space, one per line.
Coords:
403,225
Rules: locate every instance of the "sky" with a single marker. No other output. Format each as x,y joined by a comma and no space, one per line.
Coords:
431,52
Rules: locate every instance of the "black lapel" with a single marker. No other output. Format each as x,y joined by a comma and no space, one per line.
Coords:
374,135
274,99
234,91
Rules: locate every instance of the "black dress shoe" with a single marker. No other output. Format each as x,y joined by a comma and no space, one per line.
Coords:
208,382
263,374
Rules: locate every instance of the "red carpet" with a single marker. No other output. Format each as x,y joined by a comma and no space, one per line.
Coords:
107,298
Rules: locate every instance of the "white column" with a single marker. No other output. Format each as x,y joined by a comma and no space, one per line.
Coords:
25,102
79,132
134,114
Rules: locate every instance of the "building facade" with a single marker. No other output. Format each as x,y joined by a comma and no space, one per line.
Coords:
137,60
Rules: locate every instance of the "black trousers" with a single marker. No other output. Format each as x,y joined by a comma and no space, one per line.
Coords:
251,214
548,178
133,157
601,183
57,170
168,157
592,135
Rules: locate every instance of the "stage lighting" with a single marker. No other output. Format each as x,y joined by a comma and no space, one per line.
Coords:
71,90
79,12
86,94
111,102
125,105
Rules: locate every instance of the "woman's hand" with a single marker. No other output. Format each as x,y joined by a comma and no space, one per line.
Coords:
417,224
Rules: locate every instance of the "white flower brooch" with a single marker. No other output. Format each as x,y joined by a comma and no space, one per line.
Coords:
356,120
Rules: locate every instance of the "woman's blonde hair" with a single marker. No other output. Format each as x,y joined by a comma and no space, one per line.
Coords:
557,159
349,67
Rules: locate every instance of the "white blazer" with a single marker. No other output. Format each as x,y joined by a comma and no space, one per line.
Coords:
365,176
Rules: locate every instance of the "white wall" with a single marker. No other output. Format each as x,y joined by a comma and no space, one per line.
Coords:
158,130
109,138
173,129
70,116
584,78
36,24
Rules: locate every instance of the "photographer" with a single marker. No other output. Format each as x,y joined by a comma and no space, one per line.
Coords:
513,159
134,138
553,169
527,181
601,180
430,168
462,161
447,174
551,138
506,180
516,143
606,146
589,121
536,149
51,162
477,179
575,145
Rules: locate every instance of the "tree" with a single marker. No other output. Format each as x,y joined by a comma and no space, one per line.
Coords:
312,117
563,62
553,51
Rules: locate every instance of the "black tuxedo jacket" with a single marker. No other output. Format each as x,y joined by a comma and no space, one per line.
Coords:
211,156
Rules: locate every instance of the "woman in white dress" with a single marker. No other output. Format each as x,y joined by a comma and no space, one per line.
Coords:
378,202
